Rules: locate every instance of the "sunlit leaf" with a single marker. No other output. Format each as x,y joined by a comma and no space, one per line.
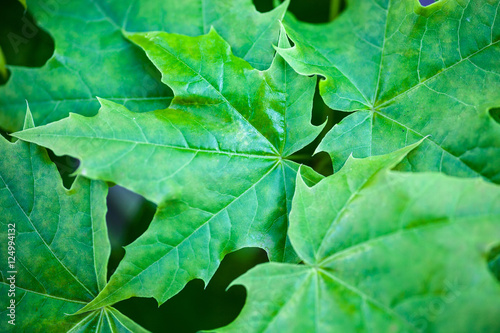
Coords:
409,72
92,58
216,162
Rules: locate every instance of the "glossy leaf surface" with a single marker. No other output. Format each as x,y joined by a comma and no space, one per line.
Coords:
383,251
215,162
409,72
92,58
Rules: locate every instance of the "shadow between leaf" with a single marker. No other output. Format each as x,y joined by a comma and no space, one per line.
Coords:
196,308
22,41
493,260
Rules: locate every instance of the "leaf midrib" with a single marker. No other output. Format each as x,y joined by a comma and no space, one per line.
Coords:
190,149
367,297
271,169
41,238
381,52
87,319
353,195
46,295
436,223
429,138
352,250
88,99
236,112
111,20
295,294
381,104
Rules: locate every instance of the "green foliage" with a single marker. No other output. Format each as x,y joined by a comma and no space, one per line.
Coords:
92,56
61,241
227,185
410,72
383,251
205,111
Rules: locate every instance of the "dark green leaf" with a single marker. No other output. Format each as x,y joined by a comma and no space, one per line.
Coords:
61,245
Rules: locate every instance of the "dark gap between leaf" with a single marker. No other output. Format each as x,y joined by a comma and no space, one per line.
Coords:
263,5
196,308
149,84
493,259
66,166
322,112
4,77
495,114
129,216
5,135
316,11
320,162
23,42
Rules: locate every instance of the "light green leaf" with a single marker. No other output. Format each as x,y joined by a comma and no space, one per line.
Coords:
61,245
383,251
215,162
93,58
410,72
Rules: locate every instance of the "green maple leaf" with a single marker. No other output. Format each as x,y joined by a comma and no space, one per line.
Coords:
383,251
61,245
215,162
409,72
93,58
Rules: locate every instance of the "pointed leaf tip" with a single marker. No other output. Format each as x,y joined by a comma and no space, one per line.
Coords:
283,41
393,158
299,182
102,101
28,119
128,34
